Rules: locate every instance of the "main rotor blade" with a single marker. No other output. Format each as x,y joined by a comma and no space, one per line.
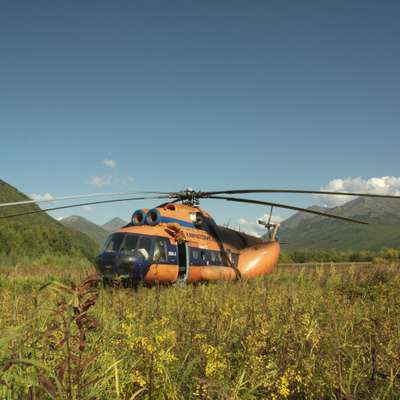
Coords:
246,191
81,204
81,196
279,205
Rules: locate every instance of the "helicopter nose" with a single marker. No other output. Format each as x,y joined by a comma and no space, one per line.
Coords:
105,263
121,265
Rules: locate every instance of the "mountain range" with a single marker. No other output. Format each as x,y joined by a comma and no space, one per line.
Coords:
96,232
114,225
307,231
37,234
81,224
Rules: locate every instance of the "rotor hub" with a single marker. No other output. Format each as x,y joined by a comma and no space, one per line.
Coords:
188,196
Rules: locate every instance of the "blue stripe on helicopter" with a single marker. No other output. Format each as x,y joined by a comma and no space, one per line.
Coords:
177,221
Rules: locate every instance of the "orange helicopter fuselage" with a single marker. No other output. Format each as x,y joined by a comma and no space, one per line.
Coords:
182,242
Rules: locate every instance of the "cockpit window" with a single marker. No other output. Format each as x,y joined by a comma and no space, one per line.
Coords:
144,247
130,243
114,242
160,250
150,248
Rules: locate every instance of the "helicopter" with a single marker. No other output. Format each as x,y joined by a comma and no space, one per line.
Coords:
178,241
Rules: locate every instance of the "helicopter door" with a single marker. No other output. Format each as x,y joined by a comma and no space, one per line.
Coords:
183,260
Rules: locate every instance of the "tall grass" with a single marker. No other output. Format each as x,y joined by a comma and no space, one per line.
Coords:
303,332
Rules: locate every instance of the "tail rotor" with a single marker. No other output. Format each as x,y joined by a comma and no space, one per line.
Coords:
271,227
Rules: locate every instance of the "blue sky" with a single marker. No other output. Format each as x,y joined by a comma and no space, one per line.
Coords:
206,94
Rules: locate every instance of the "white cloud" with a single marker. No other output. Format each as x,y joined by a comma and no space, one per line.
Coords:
59,218
383,185
130,179
110,163
254,228
89,208
100,181
276,219
40,197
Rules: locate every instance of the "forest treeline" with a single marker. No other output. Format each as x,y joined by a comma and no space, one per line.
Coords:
35,236
335,256
38,244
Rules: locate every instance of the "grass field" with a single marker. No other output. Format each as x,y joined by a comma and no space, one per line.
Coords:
303,332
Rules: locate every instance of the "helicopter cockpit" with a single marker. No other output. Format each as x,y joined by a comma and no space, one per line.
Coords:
127,253
146,247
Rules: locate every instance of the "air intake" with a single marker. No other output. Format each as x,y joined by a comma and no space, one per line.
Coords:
153,217
138,217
